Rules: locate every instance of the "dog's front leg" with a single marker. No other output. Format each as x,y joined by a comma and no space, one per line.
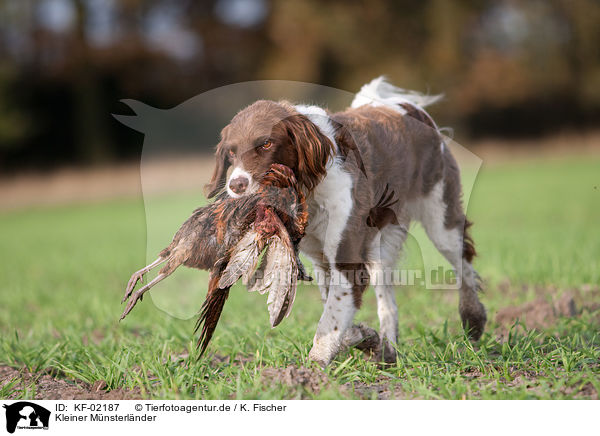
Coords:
336,319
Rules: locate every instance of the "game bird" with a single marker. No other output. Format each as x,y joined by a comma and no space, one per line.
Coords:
228,238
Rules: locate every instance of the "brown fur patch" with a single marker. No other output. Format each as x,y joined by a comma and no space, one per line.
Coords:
312,148
418,114
469,251
217,181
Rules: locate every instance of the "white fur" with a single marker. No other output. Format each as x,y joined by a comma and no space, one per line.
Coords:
240,172
387,310
379,92
329,207
322,278
335,320
431,212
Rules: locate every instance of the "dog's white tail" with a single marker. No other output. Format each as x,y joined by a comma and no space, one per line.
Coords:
379,92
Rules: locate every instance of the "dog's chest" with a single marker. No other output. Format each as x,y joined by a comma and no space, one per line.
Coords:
329,207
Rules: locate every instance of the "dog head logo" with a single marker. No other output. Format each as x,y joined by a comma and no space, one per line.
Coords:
26,415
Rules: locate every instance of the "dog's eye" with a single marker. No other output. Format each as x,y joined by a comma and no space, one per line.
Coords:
266,144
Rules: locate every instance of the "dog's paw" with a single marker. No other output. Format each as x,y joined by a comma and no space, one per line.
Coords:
473,318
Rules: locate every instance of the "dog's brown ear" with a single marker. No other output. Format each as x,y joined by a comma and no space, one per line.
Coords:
312,147
218,179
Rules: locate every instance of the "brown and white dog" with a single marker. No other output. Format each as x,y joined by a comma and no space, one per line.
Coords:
368,172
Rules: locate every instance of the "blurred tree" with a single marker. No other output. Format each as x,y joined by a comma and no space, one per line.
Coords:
13,121
506,67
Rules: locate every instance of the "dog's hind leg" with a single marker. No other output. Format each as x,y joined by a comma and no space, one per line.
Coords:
442,216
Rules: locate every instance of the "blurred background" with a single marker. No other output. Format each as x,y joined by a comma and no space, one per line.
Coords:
509,69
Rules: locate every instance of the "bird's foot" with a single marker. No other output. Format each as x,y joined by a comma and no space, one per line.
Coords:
138,295
139,275
136,277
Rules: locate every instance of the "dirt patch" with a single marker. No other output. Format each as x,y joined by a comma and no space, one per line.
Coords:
587,391
539,313
384,389
312,380
550,304
532,382
46,387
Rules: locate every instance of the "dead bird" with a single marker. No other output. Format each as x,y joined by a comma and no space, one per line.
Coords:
228,238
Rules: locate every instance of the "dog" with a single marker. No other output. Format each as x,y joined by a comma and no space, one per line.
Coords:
368,171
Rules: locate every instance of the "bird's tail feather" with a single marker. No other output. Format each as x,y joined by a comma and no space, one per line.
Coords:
210,313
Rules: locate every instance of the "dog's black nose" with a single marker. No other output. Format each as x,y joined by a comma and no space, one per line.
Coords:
238,185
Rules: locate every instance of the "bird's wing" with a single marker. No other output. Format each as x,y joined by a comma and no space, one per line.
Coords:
281,274
267,275
258,281
243,259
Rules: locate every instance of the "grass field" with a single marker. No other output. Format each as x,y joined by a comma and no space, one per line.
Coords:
536,228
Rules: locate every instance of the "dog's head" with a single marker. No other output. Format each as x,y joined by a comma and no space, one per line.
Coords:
266,133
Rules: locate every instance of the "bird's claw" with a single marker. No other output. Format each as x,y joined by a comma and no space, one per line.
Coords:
131,303
138,295
137,276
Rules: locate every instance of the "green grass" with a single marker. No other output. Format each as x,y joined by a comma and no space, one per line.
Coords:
64,269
